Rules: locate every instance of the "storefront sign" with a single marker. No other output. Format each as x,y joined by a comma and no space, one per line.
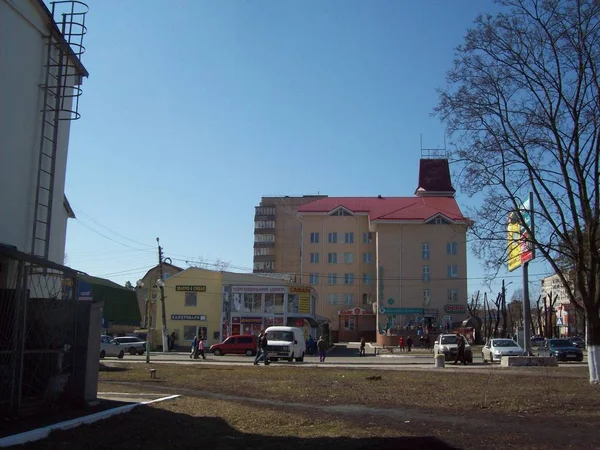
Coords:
188,317
299,289
355,312
400,311
455,309
258,289
190,288
304,307
84,291
252,320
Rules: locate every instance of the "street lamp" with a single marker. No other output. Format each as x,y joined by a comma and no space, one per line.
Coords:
165,333
139,285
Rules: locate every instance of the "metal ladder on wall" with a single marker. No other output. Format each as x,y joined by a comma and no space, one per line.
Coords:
60,102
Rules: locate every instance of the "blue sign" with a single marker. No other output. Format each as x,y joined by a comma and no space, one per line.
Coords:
84,290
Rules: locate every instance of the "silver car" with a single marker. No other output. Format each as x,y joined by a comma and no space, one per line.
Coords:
495,349
110,347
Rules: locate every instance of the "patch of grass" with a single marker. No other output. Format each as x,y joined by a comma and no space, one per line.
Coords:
495,390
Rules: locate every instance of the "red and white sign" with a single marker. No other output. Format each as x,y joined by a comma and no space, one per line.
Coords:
355,312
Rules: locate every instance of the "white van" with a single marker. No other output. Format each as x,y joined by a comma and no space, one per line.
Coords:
285,343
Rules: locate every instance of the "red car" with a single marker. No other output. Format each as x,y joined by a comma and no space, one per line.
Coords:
243,344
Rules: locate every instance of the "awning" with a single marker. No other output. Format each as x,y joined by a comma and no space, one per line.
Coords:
316,321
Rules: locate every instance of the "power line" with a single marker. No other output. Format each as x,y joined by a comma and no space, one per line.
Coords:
80,212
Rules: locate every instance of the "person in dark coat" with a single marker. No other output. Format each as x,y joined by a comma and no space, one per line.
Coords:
460,349
262,354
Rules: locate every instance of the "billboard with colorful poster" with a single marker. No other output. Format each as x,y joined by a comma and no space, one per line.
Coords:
520,247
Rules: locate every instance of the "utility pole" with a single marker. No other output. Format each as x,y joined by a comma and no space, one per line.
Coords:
161,285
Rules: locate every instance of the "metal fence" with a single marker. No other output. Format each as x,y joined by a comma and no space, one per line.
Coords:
38,328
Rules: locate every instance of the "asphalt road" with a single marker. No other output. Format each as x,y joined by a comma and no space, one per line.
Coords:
341,355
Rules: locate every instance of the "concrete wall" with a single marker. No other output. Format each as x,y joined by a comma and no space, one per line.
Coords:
23,24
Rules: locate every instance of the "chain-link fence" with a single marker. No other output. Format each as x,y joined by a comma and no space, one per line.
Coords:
38,328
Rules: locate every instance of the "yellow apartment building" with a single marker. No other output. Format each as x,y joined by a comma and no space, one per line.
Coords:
388,265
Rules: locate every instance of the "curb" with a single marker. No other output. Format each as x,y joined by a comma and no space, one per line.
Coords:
42,433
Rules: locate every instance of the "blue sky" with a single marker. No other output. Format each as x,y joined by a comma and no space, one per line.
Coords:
195,109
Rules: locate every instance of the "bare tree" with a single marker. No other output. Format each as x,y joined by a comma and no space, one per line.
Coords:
473,306
522,108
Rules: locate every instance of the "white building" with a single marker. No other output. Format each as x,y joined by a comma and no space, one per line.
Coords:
564,312
40,84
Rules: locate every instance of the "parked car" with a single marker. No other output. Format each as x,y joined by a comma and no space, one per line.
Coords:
561,349
536,341
133,345
577,342
447,345
110,347
243,344
285,343
495,349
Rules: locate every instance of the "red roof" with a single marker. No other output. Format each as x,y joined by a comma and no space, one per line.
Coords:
390,208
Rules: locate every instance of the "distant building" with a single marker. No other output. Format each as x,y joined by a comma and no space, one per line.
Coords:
277,234
566,319
387,265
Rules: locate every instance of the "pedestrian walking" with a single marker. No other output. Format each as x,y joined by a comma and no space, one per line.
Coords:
310,345
263,353
322,347
362,346
401,343
194,347
460,349
172,343
409,343
201,347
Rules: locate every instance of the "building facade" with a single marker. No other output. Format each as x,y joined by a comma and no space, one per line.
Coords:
566,319
277,234
218,304
382,266
40,84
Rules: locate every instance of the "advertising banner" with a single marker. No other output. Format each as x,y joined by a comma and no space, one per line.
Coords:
520,248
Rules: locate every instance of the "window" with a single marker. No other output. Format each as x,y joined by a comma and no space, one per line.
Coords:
332,278
453,271
265,210
252,302
314,278
452,248
349,299
264,224
314,258
273,304
263,265
367,238
367,299
426,297
263,251
293,302
340,212
368,258
332,299
348,278
367,279
349,238
191,299
332,238
349,258
426,274
264,238
189,331
453,295
349,323
438,221
314,238
425,250
332,258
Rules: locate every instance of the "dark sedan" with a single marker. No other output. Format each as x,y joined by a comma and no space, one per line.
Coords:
561,349
577,342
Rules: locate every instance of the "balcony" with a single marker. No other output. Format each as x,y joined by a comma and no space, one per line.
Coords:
264,245
264,258
258,217
264,231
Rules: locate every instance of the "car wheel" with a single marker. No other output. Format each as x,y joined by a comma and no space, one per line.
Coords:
249,352
291,358
133,351
217,352
121,354
141,352
301,359
102,354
